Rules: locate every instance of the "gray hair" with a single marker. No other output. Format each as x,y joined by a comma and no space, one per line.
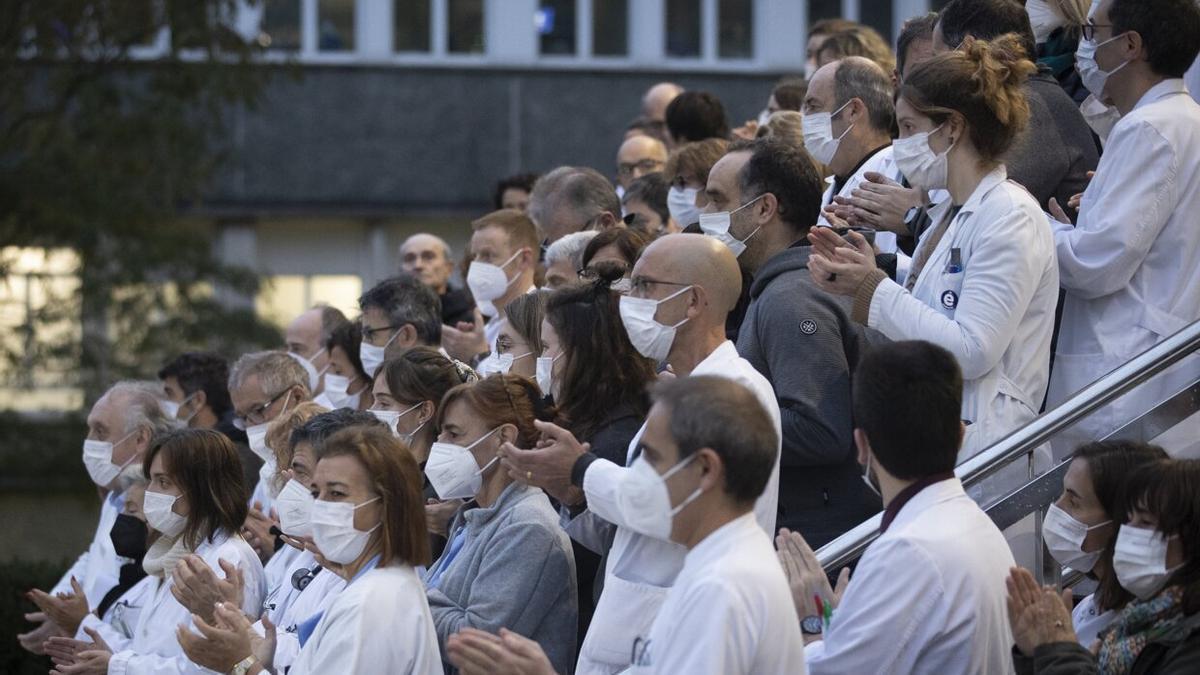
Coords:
276,371
720,414
861,78
405,300
585,191
570,247
140,402
331,319
131,476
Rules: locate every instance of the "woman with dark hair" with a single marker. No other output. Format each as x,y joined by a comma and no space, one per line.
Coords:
516,344
611,255
347,384
984,281
367,527
1156,558
1080,529
196,503
508,562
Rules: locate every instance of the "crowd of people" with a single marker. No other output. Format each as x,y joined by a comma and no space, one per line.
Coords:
617,446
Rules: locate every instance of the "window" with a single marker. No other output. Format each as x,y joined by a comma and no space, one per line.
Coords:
683,28
823,9
878,15
736,37
410,25
280,27
465,26
283,297
335,25
610,27
556,27
39,322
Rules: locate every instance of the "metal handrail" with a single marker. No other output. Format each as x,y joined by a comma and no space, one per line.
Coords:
1019,444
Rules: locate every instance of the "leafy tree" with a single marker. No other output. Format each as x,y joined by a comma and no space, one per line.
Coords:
101,150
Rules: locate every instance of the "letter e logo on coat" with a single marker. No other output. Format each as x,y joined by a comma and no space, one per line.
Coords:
949,299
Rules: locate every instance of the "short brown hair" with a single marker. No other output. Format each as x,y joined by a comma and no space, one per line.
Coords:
628,241
831,26
1169,489
982,81
206,467
396,477
525,313
503,398
695,158
520,229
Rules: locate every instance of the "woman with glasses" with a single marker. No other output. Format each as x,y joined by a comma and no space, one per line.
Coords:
611,255
508,563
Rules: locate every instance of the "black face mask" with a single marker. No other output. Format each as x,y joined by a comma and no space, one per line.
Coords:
129,537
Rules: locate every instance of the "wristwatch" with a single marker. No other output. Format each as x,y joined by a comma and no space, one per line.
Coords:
244,666
809,625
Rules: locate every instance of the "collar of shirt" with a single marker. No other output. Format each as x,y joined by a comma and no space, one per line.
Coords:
995,177
1167,87
714,363
722,540
906,495
840,181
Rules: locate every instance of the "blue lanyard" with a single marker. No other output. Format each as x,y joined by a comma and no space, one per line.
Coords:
306,628
452,551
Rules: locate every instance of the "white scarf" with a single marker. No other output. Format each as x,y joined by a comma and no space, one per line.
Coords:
162,556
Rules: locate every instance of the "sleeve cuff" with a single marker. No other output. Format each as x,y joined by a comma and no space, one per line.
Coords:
862,297
579,469
118,663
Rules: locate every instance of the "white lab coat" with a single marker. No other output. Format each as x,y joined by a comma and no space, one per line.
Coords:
287,606
641,569
380,623
996,315
121,619
730,611
928,595
880,162
1089,621
154,647
99,567
1131,265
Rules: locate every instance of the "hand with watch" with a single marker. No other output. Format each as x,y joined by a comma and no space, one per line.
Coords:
814,598
229,645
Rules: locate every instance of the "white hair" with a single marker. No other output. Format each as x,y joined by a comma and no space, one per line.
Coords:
139,403
276,372
570,247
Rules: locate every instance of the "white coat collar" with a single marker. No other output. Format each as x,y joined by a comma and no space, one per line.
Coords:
723,540
713,364
994,177
937,493
1167,87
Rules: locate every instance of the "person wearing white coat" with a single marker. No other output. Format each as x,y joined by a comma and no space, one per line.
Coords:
928,595
1130,265
983,283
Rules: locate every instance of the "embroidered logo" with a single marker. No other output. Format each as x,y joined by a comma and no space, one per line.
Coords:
808,327
949,299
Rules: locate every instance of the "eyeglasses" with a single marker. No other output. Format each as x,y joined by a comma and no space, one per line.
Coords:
1088,30
370,333
257,413
639,286
609,269
645,166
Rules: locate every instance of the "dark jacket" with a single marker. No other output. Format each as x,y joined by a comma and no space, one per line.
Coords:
803,341
1052,156
457,306
1160,657
251,462
1058,54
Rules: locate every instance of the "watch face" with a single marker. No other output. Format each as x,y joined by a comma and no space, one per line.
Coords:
811,625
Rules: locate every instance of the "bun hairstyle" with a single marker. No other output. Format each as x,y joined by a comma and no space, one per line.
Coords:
982,82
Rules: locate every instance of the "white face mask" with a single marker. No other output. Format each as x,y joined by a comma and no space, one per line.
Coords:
866,477
645,502
499,363
716,225
334,533
268,475
337,391
314,377
391,417
919,163
1093,77
257,438
681,203
1064,537
810,69
545,374
763,117
171,408
1044,20
652,339
372,357
97,459
294,506
453,471
487,281
1140,561
159,515
818,134
1100,117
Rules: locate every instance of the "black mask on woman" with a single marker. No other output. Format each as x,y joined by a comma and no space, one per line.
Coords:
129,537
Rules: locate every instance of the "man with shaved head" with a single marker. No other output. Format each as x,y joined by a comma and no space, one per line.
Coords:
637,157
657,98
427,257
763,198
689,282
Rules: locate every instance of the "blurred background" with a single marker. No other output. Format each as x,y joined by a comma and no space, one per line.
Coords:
179,175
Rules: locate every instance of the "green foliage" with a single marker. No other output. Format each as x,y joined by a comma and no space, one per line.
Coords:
100,152
16,578
42,453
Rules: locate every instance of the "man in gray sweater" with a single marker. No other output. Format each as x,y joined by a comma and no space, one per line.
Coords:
763,198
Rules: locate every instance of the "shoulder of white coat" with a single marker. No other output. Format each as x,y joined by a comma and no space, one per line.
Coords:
1010,212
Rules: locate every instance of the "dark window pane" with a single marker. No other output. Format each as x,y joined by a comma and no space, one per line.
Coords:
823,9
556,26
878,15
683,28
335,25
189,24
610,27
410,23
280,25
737,29
465,23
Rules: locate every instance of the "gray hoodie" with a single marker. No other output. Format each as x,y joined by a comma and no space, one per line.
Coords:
803,341
515,570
